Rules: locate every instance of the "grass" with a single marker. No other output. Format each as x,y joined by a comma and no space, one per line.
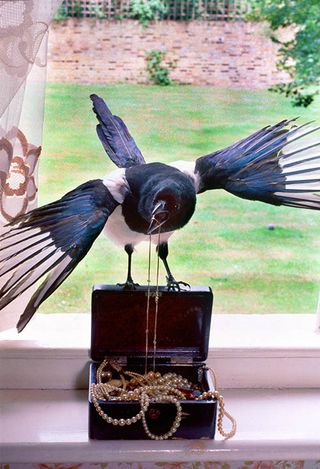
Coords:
227,244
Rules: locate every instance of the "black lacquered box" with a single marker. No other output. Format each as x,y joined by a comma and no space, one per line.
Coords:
183,329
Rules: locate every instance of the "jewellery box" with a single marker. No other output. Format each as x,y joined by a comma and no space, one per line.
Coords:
182,339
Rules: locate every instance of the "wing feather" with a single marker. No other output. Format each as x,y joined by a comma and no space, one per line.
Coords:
25,276
268,166
54,279
115,136
55,238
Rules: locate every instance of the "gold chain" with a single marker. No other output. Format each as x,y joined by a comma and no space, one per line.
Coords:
156,299
148,309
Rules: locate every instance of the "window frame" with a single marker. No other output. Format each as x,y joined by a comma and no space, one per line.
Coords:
246,351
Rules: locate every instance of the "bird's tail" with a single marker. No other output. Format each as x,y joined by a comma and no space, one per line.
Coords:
115,136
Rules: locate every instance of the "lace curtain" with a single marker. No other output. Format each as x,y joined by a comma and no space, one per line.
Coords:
23,51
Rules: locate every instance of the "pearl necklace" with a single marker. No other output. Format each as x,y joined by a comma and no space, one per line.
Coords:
151,386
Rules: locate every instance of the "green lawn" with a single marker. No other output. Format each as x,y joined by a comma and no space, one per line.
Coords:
227,244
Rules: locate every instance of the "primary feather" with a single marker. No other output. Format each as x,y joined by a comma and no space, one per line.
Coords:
54,238
268,166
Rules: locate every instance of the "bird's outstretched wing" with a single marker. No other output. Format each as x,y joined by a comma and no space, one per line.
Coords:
275,165
53,238
115,137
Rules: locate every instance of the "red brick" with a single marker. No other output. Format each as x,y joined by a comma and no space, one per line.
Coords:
236,54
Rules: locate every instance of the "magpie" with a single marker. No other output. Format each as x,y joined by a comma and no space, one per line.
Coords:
140,199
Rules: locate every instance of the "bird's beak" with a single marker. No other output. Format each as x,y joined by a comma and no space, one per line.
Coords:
158,217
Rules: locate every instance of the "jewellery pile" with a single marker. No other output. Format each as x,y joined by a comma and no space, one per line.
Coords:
147,388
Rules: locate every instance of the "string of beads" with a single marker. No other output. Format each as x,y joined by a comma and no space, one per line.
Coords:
170,388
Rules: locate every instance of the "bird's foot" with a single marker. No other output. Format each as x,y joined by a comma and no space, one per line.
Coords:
128,285
174,285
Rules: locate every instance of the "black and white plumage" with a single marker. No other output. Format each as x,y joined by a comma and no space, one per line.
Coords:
276,165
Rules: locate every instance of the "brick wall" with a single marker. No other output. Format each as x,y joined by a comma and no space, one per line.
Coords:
223,54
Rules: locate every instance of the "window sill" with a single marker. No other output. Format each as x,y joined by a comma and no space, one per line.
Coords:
246,351
43,369
50,426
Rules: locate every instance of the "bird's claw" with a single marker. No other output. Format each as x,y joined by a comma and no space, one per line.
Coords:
174,285
128,285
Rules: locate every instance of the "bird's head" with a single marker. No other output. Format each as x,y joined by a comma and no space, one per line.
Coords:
168,208
165,207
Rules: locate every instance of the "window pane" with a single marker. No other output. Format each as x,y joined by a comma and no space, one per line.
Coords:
256,257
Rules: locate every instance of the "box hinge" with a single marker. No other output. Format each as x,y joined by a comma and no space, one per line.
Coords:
181,359
120,360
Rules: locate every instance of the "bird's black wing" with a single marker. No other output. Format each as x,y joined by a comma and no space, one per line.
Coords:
115,137
272,165
53,238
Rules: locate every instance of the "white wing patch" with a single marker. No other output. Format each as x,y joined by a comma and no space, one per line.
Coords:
188,168
117,184
301,164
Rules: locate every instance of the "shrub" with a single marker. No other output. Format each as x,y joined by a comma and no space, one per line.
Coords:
146,11
158,73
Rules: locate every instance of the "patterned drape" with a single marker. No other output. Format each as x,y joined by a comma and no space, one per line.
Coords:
23,50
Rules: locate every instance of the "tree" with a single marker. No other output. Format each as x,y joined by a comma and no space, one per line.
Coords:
300,56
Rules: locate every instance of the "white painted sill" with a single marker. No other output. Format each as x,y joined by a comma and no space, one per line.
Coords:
44,411
52,427
246,351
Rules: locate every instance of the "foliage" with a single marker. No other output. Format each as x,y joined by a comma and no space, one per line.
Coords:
150,10
300,56
62,12
147,10
65,11
98,13
196,9
158,73
187,10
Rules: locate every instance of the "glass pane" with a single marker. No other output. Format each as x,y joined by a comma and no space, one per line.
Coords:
257,258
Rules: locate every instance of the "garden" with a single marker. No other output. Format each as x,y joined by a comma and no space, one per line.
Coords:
256,257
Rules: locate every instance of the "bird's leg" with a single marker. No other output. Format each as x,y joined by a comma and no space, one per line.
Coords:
129,284
172,283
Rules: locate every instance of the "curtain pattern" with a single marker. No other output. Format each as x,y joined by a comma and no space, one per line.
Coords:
19,182
23,49
23,35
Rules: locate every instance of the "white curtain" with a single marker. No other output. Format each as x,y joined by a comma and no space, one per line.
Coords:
23,50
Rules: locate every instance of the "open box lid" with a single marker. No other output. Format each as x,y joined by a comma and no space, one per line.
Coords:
119,323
